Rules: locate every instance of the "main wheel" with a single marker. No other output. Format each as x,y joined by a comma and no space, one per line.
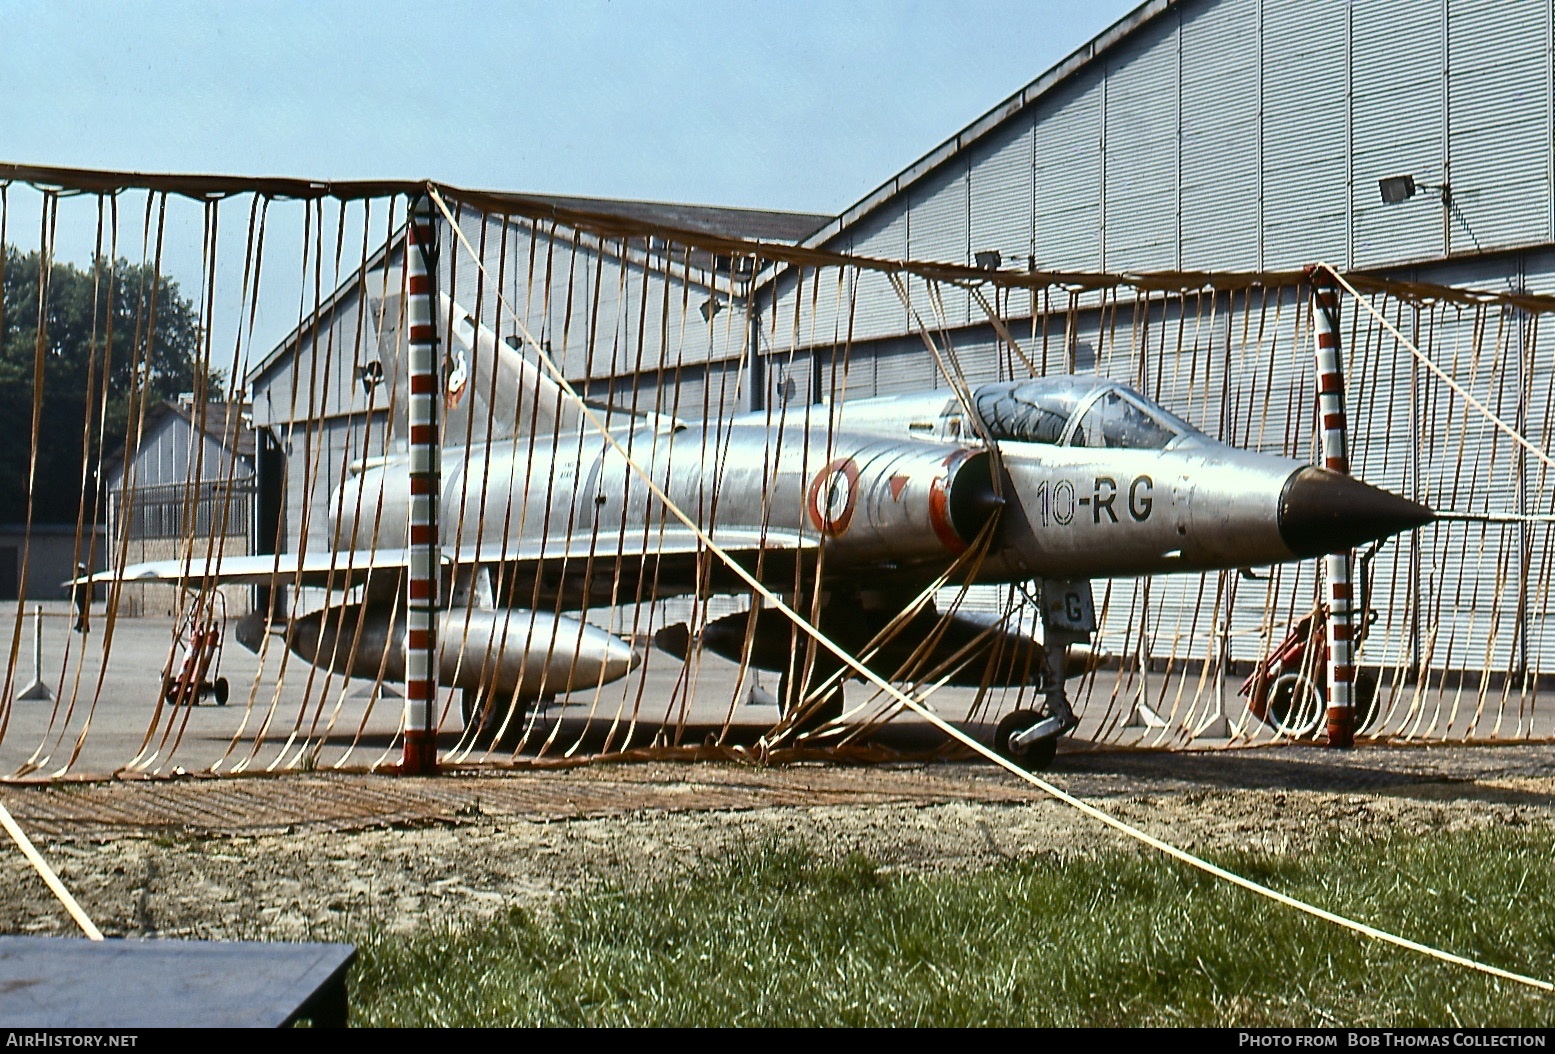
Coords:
1296,707
1365,699
487,713
1033,757
828,709
220,689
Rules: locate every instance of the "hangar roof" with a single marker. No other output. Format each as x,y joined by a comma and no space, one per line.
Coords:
763,224
1077,60
703,219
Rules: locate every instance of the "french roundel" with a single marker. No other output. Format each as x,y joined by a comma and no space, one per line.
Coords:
833,495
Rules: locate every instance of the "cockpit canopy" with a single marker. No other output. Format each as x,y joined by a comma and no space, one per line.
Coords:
1079,412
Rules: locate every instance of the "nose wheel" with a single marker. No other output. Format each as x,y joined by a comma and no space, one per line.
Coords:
1033,756
1029,738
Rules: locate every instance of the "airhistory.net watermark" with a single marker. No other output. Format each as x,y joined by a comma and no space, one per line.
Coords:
45,1038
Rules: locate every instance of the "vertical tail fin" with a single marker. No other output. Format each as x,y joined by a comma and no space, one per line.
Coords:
526,399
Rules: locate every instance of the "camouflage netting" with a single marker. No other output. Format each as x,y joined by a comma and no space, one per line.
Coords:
213,375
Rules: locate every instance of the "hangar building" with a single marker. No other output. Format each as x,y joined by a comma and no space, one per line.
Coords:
1255,135
1225,135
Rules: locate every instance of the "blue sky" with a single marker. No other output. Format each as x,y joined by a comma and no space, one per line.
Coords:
794,105
784,105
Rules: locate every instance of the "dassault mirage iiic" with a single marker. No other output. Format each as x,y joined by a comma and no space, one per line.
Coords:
848,512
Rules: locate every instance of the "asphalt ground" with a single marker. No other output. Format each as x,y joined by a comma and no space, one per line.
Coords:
107,717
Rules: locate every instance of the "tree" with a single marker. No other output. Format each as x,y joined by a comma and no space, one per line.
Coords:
153,354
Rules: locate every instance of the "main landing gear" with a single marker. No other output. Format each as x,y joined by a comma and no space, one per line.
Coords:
1029,738
497,720
828,708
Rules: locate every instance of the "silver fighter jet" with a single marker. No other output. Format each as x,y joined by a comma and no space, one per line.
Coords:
848,512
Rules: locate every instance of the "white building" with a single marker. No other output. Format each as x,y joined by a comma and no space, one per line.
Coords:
188,489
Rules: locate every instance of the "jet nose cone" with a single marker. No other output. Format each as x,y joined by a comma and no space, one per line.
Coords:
1327,512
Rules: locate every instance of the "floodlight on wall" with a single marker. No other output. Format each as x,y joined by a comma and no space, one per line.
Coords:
989,259
711,307
1397,189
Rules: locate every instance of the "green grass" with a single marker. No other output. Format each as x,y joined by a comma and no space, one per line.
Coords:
777,935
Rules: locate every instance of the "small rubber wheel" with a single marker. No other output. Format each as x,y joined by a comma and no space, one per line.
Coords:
1296,708
221,691
1034,757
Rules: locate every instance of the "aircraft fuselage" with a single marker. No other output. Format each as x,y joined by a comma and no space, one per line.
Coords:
895,505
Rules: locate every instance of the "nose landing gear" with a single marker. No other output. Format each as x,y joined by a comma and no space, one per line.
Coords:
1027,737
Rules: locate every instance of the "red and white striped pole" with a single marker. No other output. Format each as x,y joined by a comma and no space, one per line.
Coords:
1336,566
420,756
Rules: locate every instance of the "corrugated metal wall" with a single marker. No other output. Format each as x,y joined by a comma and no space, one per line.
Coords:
938,228
1141,174
1001,205
1397,125
1249,134
317,455
1304,132
169,454
1068,176
1498,111
1220,173
322,377
878,307
1538,416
